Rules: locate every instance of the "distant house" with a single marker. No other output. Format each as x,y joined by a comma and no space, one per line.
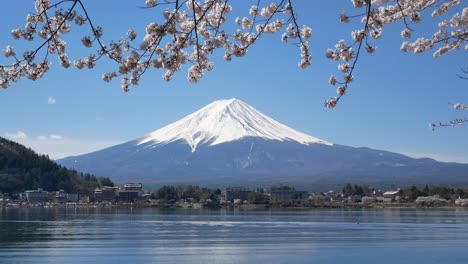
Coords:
84,199
36,196
97,195
73,197
354,199
131,192
109,193
133,187
377,193
391,196
368,200
128,196
232,193
327,196
60,196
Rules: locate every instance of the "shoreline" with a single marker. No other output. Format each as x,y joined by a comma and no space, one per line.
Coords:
354,206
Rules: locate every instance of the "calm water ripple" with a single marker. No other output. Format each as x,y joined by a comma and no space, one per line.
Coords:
53,235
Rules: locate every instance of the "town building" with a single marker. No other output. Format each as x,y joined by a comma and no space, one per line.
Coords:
368,200
133,186
97,195
84,199
109,193
21,196
131,192
354,199
36,196
128,195
60,196
377,193
232,193
73,197
391,196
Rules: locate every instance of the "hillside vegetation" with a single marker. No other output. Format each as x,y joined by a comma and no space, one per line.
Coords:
23,169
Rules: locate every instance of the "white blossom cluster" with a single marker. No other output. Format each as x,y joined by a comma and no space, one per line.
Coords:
452,34
191,33
459,106
46,26
186,34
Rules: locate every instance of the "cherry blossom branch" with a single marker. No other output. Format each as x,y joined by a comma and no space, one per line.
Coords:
26,66
459,106
345,53
452,123
452,33
97,32
195,25
193,30
464,74
221,17
404,16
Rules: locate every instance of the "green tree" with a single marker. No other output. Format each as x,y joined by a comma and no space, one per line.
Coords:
283,188
425,191
358,190
258,198
347,190
105,181
167,193
461,193
413,193
22,169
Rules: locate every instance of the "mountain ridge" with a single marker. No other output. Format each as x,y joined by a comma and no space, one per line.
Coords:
230,142
224,121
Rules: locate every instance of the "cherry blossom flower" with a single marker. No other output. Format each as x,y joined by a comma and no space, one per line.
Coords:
187,36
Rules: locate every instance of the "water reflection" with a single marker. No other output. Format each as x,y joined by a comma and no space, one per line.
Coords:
76,235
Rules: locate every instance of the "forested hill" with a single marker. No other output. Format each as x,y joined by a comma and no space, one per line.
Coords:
23,169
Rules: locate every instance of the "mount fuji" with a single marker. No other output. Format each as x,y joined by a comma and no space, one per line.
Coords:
230,142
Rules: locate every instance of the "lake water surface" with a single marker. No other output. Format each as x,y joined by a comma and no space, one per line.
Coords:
90,235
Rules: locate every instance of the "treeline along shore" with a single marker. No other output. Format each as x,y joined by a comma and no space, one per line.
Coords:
28,179
132,195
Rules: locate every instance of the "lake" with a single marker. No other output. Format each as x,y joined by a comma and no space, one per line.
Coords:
94,235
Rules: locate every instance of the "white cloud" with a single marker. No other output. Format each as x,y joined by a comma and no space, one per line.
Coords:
16,136
51,136
437,156
55,136
58,146
51,100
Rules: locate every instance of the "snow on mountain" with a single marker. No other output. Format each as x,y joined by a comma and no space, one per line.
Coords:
229,142
225,121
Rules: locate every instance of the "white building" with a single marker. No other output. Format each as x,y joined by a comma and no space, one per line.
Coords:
36,196
391,196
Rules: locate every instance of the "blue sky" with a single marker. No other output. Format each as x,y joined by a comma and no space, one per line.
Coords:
394,97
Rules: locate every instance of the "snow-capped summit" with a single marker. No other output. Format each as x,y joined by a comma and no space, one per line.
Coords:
229,142
225,121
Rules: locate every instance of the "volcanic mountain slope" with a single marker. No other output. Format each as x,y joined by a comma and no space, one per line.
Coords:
225,121
230,142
